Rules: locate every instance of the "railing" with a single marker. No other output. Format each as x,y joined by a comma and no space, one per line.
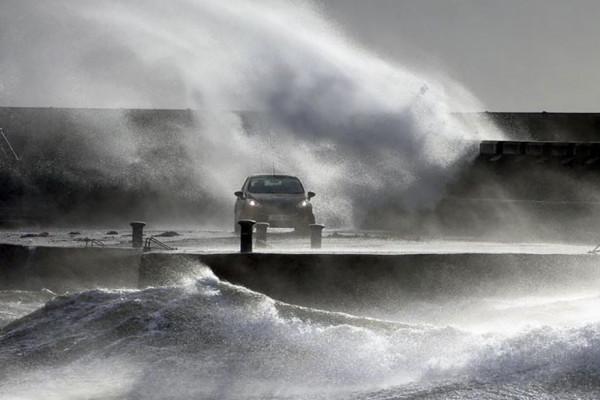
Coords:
152,240
595,251
263,243
92,242
567,152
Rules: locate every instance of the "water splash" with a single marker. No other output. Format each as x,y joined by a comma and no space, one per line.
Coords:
360,130
215,339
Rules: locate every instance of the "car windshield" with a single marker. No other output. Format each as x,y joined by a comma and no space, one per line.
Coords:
275,184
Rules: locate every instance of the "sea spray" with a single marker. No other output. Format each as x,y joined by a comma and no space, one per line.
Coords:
214,339
207,338
360,130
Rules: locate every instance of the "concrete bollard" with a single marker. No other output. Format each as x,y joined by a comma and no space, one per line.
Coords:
261,234
316,233
137,234
246,235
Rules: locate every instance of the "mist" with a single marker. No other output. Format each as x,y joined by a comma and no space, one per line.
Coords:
275,86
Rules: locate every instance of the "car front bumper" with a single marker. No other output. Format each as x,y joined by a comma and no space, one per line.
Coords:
279,218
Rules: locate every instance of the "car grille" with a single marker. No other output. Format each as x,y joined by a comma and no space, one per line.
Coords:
279,209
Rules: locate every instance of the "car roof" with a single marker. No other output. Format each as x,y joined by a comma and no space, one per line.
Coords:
272,175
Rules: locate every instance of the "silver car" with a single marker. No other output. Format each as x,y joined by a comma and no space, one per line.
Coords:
279,200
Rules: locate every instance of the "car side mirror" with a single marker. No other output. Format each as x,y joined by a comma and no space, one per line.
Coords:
238,194
310,195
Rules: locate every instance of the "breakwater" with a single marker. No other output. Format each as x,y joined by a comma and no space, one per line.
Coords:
67,268
310,279
345,281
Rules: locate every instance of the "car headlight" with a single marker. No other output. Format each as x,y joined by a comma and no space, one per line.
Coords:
253,203
303,203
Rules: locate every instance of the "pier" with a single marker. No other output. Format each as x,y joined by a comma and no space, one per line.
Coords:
325,278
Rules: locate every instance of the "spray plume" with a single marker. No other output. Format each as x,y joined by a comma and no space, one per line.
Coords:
359,130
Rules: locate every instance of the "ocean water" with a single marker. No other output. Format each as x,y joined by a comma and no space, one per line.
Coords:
208,339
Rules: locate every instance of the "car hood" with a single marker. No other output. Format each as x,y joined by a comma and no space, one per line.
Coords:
278,199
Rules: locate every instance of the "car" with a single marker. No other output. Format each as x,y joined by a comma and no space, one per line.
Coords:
279,200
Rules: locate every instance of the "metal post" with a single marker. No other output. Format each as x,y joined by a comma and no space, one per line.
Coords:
246,235
261,234
138,234
316,232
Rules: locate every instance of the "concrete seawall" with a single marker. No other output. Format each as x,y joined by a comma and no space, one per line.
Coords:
67,268
343,280
340,281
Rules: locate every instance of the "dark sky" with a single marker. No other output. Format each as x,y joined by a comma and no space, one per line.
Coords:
514,55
